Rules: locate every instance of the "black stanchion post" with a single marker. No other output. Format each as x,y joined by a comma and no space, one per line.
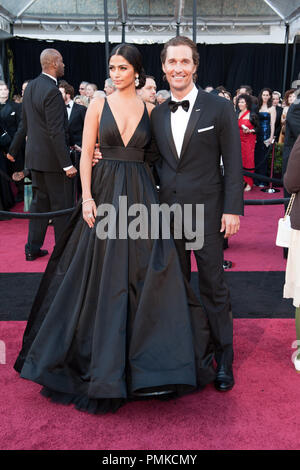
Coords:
270,189
106,36
286,56
195,21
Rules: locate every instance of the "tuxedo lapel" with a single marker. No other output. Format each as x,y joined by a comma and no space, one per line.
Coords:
168,131
73,111
196,114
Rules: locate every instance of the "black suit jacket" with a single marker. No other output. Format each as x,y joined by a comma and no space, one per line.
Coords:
279,110
195,177
292,130
45,123
10,115
75,124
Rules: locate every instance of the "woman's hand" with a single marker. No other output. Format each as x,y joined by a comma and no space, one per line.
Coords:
89,212
97,155
246,131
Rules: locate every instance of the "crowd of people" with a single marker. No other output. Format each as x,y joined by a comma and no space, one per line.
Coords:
261,122
133,327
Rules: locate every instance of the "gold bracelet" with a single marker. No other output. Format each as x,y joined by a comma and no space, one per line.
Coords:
83,202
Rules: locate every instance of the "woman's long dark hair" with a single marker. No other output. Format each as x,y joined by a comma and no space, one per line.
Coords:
260,101
248,100
134,57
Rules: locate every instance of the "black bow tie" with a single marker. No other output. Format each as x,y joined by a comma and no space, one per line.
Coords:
68,106
174,105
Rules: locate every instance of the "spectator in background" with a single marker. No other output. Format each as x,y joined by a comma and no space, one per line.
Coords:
99,93
109,86
148,92
162,96
208,88
17,98
90,90
76,116
289,98
82,100
276,96
267,119
292,130
249,126
245,90
24,192
227,95
292,279
10,115
82,88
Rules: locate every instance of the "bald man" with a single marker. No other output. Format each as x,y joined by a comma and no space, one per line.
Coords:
47,152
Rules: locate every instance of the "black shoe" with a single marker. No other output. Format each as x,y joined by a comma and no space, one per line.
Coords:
33,256
227,264
224,380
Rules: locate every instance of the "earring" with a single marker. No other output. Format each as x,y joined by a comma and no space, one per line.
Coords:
136,81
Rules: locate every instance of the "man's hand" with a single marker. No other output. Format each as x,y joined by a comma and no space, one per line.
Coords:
97,155
10,157
230,223
71,172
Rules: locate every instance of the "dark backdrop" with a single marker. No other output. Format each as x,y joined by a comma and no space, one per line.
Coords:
231,65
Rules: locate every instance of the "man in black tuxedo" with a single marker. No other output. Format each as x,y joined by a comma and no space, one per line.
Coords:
47,153
10,115
191,132
76,115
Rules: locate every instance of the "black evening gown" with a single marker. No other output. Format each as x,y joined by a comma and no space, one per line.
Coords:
114,318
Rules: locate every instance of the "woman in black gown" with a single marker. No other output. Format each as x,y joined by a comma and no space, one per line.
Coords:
113,319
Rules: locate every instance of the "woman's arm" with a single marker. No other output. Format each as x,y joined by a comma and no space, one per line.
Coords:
89,138
273,120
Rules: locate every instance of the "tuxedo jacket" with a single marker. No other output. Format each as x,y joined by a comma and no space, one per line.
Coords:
195,177
45,122
10,116
75,124
292,128
279,110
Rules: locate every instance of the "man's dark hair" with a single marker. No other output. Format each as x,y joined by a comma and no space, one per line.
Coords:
181,41
67,87
149,76
247,88
134,57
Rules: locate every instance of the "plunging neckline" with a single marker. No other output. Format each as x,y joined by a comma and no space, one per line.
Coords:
139,122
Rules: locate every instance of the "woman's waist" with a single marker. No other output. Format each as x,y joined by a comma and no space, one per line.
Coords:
126,154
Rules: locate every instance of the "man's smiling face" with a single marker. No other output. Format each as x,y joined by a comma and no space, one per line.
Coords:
179,68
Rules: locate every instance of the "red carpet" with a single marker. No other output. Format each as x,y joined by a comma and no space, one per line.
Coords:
259,413
252,249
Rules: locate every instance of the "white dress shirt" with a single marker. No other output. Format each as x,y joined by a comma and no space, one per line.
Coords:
69,110
180,119
69,107
51,76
